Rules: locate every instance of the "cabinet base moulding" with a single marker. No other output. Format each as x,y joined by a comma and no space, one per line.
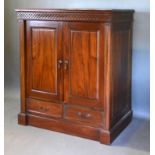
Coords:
22,119
76,129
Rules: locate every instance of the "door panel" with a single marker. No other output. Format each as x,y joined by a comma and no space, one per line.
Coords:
84,76
42,41
44,80
83,62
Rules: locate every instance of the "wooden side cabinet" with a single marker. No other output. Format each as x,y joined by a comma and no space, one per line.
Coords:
75,71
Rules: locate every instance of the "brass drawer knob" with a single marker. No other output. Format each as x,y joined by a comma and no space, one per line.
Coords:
79,113
88,115
84,115
44,109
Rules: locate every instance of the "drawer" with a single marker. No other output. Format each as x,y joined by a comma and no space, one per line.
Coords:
45,108
84,115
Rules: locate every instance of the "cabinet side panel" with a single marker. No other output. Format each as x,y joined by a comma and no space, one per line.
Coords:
120,71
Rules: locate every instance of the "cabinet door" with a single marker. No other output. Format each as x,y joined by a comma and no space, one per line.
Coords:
83,64
44,60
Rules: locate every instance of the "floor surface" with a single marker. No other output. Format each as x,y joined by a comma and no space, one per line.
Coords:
27,140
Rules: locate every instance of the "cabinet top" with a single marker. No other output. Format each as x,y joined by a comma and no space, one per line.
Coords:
86,15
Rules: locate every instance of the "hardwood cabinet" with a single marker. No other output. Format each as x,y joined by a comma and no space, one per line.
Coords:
75,69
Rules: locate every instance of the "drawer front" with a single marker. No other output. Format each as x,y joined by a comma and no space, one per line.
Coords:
84,115
45,108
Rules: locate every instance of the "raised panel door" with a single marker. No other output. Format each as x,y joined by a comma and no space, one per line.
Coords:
83,64
44,56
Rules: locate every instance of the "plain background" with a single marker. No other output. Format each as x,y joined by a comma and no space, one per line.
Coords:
141,43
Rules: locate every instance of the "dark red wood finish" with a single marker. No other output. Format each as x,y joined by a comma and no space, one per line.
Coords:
84,74
75,69
44,53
